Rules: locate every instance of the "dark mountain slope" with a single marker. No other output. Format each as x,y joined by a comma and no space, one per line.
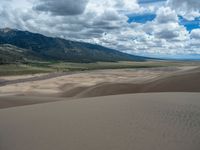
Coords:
48,48
10,54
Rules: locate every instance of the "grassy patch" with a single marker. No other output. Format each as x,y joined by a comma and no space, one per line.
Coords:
22,70
46,67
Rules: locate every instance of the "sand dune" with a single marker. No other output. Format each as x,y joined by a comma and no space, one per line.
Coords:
68,83
179,82
100,83
14,101
151,121
30,78
167,121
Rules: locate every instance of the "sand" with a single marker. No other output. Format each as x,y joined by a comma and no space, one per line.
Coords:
7,101
71,85
159,121
98,83
178,82
74,111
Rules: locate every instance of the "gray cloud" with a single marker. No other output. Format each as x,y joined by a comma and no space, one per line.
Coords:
166,15
167,34
62,7
195,34
102,22
187,8
189,4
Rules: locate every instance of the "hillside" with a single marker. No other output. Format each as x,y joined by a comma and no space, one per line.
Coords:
57,49
10,54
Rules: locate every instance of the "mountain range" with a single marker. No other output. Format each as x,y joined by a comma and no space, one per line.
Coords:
22,46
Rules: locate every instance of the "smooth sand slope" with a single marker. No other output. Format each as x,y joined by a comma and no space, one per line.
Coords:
167,121
179,82
14,101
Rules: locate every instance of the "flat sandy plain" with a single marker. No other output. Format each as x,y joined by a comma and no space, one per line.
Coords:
100,110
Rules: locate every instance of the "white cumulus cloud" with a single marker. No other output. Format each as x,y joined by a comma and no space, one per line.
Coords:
105,22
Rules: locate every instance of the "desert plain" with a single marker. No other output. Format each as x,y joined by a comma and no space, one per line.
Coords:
115,109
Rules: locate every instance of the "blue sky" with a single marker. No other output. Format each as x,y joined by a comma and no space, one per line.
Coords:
150,1
143,18
160,28
190,24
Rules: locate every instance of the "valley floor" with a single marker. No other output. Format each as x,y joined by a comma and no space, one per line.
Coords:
143,109
97,83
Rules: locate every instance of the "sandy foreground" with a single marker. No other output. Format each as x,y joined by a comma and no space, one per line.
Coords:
159,121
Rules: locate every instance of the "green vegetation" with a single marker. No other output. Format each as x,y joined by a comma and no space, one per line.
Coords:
10,54
19,69
48,67
101,65
18,61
